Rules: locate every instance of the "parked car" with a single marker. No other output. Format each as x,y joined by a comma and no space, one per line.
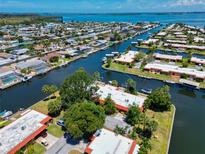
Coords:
61,123
44,142
44,134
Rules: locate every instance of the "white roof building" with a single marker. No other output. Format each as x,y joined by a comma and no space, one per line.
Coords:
161,34
185,46
177,41
168,57
127,57
122,99
199,39
20,132
198,60
151,41
107,142
168,68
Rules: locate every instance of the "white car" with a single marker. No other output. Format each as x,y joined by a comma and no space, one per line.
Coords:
44,142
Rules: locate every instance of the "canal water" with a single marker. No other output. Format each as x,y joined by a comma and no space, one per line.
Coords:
188,135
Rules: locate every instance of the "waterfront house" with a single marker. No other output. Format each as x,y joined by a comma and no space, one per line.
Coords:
150,41
5,55
175,71
20,132
199,40
127,58
167,57
8,77
100,43
176,41
69,52
5,61
35,65
162,34
105,141
198,60
122,99
185,46
5,58
84,49
20,51
49,56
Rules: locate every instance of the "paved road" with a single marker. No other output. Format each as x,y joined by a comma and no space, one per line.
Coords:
66,144
111,122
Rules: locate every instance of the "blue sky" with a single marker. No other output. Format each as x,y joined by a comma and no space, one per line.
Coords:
101,6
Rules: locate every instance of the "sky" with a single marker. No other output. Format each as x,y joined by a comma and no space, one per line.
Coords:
101,6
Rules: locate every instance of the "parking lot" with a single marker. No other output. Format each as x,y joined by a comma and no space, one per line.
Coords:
50,139
66,144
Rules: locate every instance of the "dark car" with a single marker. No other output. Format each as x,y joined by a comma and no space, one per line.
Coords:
61,123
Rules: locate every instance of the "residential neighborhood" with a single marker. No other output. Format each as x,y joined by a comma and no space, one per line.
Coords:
30,50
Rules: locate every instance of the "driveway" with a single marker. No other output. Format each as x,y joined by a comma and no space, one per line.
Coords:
66,144
51,140
111,122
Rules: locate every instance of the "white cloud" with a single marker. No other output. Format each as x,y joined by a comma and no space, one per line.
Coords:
188,2
15,3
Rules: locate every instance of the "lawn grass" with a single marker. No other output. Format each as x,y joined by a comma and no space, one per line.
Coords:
74,152
38,149
161,138
173,50
4,123
42,107
202,85
125,69
55,130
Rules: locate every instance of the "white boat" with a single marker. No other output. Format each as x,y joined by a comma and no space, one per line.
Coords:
115,53
134,43
109,55
7,114
26,78
146,91
104,60
169,81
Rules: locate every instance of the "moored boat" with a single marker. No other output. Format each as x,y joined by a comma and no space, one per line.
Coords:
5,114
146,91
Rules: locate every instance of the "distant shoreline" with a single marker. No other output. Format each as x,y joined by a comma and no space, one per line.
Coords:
108,13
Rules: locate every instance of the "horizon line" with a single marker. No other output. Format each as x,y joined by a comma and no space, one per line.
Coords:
105,13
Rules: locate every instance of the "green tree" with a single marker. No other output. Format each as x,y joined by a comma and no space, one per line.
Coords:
97,76
26,71
145,146
109,61
131,86
115,83
54,59
83,119
117,36
49,89
185,62
134,116
20,39
159,100
151,125
109,106
54,107
79,86
121,130
30,149
139,56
